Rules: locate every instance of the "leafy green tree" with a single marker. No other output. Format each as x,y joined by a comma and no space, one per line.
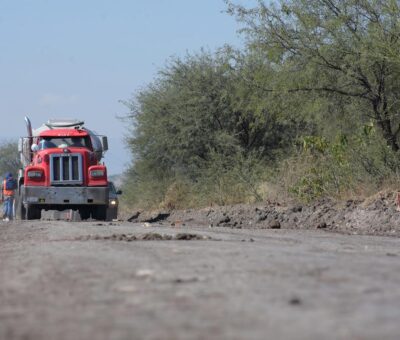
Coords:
205,110
312,99
335,48
9,158
209,103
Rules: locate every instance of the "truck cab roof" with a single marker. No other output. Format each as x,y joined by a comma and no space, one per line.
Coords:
64,133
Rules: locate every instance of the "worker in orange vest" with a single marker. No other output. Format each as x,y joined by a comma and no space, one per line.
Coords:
7,196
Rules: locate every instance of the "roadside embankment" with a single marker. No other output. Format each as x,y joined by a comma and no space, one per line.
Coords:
376,215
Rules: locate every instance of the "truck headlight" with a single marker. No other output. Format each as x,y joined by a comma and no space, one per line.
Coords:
113,202
97,173
35,174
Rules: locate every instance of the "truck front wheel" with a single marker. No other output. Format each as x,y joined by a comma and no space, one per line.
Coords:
33,212
20,212
99,212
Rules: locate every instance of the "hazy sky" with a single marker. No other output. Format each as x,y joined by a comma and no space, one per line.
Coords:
79,58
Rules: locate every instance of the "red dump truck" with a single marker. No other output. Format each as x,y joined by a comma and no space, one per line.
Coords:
61,170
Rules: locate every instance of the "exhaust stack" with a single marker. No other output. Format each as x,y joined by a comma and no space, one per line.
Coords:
28,127
27,149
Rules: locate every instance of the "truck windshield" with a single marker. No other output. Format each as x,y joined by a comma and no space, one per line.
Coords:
63,142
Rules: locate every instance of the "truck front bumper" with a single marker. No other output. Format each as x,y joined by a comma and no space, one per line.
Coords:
65,195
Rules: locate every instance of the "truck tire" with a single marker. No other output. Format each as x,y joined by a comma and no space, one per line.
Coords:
33,212
20,211
112,213
85,213
99,212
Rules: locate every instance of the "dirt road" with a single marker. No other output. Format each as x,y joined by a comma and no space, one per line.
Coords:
92,280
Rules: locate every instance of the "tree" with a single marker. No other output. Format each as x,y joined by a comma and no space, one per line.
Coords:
205,112
9,158
209,104
336,48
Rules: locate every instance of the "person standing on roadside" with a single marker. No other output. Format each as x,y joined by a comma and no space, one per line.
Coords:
7,196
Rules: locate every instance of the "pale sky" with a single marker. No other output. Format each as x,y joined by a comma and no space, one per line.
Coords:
79,58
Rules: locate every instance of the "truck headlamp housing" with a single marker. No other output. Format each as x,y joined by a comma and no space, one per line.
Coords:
97,176
35,174
113,202
97,173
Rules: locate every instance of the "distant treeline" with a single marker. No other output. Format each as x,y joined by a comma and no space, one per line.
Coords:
9,158
309,108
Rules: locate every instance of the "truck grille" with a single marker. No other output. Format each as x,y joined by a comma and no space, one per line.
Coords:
66,169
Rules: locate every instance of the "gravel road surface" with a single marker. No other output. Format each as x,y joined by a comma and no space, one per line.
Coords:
91,280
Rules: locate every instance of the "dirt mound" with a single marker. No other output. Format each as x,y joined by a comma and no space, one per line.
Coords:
373,216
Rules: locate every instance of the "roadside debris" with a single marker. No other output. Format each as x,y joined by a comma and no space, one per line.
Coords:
144,273
274,225
148,216
145,237
295,301
376,215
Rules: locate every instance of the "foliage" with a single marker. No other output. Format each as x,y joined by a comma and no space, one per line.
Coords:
346,48
342,166
9,158
202,121
312,99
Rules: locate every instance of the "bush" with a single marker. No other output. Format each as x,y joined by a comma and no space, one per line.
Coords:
345,167
222,180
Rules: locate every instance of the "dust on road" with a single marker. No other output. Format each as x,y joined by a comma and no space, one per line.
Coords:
63,280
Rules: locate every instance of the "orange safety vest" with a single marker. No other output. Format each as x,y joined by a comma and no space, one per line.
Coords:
5,191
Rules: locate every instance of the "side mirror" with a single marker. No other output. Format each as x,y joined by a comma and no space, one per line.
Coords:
35,148
119,192
104,143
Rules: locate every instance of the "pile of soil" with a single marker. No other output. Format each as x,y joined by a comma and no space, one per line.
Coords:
373,216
